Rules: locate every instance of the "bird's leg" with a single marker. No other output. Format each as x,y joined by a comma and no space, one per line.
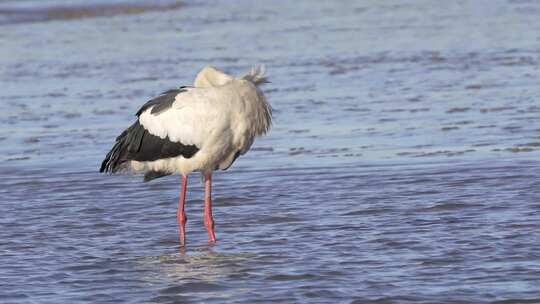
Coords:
208,219
181,214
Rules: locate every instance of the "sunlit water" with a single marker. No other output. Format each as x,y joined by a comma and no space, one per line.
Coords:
402,165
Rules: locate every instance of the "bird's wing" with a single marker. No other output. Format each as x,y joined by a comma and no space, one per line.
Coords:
162,102
136,143
193,116
176,123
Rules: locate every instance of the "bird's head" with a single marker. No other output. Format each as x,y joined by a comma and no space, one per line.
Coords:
210,76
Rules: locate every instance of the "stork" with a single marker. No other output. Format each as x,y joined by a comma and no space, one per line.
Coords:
199,128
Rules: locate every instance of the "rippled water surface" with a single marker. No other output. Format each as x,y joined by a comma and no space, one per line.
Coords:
402,166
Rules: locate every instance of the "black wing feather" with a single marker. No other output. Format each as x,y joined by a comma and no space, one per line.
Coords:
163,102
136,143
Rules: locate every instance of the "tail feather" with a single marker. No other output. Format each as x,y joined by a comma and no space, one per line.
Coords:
150,175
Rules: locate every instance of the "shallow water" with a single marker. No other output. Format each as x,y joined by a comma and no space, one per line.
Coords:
402,166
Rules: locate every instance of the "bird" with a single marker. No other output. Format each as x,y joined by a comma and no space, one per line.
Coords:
202,127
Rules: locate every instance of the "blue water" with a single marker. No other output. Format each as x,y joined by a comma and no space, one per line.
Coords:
402,166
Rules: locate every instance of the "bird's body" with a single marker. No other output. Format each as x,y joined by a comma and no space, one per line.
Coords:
201,128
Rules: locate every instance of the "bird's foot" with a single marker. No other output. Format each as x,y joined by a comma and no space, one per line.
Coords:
182,220
182,238
211,237
209,224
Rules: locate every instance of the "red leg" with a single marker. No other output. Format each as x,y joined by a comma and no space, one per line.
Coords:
208,219
181,214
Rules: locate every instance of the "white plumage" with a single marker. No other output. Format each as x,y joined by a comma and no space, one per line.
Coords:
221,115
200,128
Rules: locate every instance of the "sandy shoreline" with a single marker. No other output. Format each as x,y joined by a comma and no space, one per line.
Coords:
42,12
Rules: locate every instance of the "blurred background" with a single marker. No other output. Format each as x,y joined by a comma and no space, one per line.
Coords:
402,165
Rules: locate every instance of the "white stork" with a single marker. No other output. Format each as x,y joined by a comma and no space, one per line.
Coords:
202,128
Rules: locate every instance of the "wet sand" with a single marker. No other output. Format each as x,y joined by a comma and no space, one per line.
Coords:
17,12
